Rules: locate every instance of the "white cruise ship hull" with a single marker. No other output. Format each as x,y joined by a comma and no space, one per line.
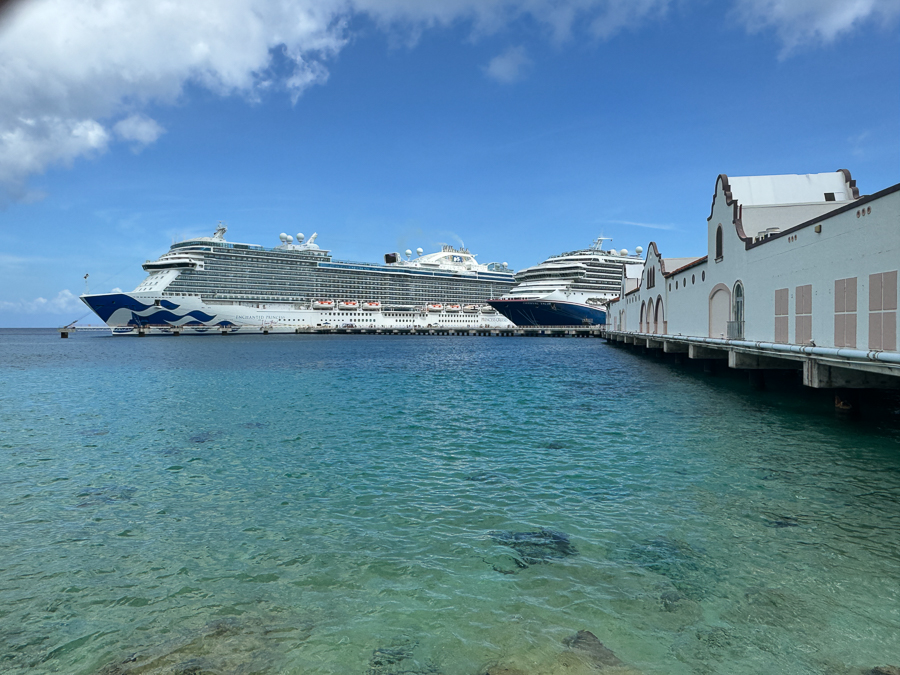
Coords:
130,313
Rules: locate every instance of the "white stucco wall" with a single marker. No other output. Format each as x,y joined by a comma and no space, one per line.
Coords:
849,246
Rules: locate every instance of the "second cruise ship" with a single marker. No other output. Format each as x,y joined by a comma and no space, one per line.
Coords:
567,289
208,283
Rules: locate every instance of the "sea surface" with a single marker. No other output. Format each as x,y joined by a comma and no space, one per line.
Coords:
380,505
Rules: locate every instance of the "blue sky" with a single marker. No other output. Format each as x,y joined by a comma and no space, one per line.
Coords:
523,128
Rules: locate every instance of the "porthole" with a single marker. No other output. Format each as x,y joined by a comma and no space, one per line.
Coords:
869,210
703,276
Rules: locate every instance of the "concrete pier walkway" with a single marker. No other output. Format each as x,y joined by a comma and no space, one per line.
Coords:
822,367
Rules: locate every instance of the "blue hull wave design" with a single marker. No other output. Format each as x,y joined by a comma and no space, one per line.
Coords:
142,314
163,316
549,313
105,305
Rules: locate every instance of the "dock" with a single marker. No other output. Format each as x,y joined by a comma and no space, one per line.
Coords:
513,331
821,367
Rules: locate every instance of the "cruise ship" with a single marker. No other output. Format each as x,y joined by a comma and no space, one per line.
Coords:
568,289
208,283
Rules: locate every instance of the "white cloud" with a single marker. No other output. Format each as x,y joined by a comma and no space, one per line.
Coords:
28,145
651,226
138,128
509,66
805,22
77,74
65,302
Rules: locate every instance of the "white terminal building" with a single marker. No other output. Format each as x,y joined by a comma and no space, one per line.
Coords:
799,272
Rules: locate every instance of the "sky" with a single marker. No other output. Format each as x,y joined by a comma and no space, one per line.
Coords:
521,128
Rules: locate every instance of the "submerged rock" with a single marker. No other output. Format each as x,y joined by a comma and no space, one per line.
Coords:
676,560
669,600
538,547
884,670
587,643
194,667
398,659
224,646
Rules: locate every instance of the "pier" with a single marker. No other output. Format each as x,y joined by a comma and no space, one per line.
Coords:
820,367
513,331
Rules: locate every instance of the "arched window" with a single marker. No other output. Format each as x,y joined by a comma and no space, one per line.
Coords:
719,243
738,302
643,316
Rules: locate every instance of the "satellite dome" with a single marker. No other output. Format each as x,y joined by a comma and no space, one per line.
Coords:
638,249
624,251
289,239
505,265
299,237
282,236
408,253
419,251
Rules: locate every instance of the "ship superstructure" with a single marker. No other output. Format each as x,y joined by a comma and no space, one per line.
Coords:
571,288
208,282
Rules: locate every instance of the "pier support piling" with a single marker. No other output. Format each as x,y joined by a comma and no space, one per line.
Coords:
670,347
701,352
823,376
745,361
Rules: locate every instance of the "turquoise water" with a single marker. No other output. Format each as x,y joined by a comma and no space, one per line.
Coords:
304,504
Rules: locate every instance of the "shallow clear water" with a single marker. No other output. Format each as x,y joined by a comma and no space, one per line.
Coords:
303,504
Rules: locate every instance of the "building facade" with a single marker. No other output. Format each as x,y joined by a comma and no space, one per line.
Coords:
790,259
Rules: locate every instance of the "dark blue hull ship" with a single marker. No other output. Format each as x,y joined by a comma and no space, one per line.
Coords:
549,313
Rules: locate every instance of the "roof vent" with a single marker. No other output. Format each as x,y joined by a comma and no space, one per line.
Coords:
829,196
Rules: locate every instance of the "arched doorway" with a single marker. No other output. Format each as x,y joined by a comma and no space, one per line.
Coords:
659,317
719,309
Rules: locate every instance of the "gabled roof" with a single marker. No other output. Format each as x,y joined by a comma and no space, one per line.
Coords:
672,265
793,189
